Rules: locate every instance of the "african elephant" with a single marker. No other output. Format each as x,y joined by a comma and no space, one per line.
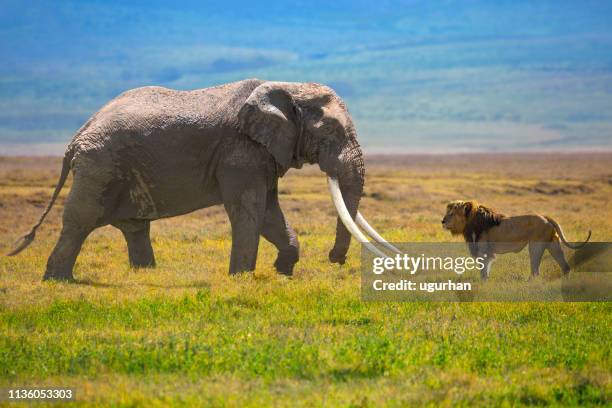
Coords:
154,152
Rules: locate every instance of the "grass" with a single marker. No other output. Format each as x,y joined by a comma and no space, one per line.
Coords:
187,334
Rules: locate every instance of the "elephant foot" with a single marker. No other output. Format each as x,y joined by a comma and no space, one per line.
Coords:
58,276
285,262
240,273
143,263
337,256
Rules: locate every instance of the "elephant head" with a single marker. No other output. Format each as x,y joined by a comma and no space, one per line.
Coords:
309,123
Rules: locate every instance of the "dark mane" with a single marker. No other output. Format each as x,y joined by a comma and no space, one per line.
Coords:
480,219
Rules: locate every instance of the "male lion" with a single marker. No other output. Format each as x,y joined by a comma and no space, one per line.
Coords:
488,233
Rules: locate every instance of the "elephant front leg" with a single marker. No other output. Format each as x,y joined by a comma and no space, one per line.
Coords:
245,208
277,230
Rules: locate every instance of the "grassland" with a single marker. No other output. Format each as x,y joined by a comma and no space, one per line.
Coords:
185,333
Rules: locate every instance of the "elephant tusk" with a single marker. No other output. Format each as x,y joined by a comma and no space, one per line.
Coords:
334,189
375,235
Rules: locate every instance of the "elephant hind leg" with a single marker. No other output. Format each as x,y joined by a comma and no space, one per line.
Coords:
63,257
137,236
82,214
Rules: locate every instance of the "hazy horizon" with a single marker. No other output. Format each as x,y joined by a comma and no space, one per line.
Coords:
416,76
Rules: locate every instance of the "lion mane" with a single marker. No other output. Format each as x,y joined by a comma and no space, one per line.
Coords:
479,219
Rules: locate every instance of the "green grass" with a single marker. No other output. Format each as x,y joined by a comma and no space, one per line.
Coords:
320,334
187,334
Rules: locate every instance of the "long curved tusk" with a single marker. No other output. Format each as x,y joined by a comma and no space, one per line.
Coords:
334,189
375,235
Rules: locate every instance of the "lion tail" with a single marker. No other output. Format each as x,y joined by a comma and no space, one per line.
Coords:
562,235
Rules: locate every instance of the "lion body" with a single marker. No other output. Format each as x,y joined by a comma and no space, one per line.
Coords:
514,233
488,233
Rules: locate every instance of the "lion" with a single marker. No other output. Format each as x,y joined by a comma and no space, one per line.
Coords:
488,233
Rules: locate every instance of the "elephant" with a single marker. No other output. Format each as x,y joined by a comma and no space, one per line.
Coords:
154,152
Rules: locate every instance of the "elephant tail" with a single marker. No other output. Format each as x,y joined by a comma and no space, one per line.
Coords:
27,239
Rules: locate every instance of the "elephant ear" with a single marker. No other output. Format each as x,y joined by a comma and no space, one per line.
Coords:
271,117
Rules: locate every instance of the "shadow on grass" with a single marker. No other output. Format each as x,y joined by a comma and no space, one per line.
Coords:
89,282
195,284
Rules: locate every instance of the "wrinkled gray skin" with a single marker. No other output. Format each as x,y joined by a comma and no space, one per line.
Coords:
154,152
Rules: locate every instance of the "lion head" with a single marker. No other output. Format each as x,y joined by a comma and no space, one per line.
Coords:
457,213
469,219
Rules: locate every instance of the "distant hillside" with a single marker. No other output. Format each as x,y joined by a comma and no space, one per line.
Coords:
417,75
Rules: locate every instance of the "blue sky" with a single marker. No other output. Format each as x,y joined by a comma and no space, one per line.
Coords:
420,76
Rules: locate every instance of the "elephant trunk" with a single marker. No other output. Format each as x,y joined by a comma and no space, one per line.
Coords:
350,178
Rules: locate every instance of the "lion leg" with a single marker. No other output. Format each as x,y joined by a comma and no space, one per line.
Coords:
536,250
557,253
486,269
